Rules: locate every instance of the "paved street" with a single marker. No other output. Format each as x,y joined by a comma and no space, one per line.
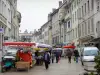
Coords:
62,68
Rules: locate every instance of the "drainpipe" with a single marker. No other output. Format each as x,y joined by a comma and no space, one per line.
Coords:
60,30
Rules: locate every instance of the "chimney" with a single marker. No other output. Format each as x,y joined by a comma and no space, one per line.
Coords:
49,16
64,1
53,9
60,3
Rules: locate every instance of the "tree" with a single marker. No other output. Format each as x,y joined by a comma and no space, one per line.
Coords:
97,61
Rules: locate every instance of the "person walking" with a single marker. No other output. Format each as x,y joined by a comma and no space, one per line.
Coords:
69,54
76,54
52,57
36,56
46,60
57,57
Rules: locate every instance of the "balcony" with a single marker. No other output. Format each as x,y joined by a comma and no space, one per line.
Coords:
68,16
3,19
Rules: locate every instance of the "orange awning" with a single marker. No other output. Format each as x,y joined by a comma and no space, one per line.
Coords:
69,46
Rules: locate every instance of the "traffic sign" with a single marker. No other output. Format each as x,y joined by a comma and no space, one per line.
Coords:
1,30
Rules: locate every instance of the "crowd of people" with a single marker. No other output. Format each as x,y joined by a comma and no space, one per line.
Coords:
49,57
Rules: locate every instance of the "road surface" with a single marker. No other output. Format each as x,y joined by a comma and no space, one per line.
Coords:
61,68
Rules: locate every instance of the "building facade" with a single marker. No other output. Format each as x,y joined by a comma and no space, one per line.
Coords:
89,21
25,37
75,21
10,19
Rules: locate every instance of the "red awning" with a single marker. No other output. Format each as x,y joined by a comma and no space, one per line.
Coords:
69,46
18,43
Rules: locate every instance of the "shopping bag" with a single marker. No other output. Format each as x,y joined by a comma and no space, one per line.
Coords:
74,59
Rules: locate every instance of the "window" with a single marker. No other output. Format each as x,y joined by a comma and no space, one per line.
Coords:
92,25
85,28
98,27
4,9
75,16
62,32
58,39
75,4
88,6
78,1
53,41
14,1
68,11
69,24
80,27
82,11
98,6
85,8
77,13
88,26
73,34
0,6
92,4
76,32
72,6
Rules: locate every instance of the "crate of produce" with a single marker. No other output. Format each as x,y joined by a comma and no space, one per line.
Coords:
21,65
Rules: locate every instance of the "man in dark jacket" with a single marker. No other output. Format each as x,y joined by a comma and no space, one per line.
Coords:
69,54
46,60
57,56
36,56
76,54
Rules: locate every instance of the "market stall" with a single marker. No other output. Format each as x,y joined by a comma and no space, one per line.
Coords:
39,52
22,56
71,47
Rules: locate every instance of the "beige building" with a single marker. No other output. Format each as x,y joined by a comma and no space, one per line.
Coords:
25,37
88,21
75,21
65,22
55,27
10,20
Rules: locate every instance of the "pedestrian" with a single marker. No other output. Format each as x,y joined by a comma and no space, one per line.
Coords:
57,57
36,56
69,54
52,57
76,54
46,60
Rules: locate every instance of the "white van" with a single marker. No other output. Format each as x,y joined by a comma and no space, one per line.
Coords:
87,58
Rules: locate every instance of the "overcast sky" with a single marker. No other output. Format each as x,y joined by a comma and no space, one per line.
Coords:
34,12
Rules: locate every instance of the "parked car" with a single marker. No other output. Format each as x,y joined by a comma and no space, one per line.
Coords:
87,58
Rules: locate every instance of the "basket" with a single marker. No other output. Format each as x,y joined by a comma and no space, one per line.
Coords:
22,65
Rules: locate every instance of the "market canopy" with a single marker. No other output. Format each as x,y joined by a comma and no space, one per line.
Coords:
43,45
18,43
69,46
